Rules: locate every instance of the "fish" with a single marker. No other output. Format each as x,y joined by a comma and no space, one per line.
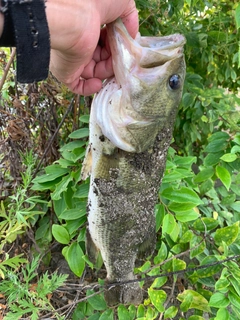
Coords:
131,124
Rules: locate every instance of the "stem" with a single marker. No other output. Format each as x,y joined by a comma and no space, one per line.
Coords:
7,68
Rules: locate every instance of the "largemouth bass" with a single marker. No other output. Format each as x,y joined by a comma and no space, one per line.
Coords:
131,126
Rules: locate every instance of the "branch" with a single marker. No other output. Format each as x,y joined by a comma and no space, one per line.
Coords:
7,68
171,273
102,288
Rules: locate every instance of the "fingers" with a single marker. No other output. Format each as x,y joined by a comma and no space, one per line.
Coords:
100,66
81,62
86,87
130,19
93,75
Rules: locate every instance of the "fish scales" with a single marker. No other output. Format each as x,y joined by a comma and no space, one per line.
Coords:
131,124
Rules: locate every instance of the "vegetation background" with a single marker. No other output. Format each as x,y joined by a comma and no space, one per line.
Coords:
194,273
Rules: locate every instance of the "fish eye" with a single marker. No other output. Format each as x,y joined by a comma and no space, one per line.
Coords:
174,82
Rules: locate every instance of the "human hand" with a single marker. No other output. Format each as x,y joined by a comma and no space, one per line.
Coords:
80,55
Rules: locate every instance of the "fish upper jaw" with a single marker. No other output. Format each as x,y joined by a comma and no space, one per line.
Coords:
133,55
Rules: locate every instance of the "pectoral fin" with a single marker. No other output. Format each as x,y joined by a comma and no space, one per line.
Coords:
87,164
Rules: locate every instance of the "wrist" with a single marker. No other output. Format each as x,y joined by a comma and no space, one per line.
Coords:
24,26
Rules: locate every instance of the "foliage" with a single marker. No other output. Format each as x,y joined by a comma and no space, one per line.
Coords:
69,199
17,215
26,297
198,213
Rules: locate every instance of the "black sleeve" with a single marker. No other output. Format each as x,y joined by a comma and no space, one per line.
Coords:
26,28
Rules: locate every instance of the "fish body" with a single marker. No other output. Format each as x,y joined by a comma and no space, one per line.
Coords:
131,126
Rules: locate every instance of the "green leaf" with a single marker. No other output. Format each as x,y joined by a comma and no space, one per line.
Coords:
97,301
159,214
181,207
74,256
132,312
145,266
73,214
224,176
159,282
60,234
187,215
183,195
53,172
140,311
81,191
59,206
95,316
158,298
204,118
197,300
206,186
172,176
209,271
188,100
234,268
234,299
186,303
229,157
79,134
236,206
221,284
186,237
168,223
178,264
204,175
196,318
170,312
219,135
185,162
197,247
212,158
237,137
218,300
175,232
123,313
237,16
222,314
72,145
150,314
217,36
107,315
216,145
235,149
61,187
13,262
235,284
162,254
205,224
227,234
85,118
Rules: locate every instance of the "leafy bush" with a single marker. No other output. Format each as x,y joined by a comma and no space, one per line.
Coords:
25,297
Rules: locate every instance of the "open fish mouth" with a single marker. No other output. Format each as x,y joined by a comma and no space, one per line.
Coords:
148,52
163,43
